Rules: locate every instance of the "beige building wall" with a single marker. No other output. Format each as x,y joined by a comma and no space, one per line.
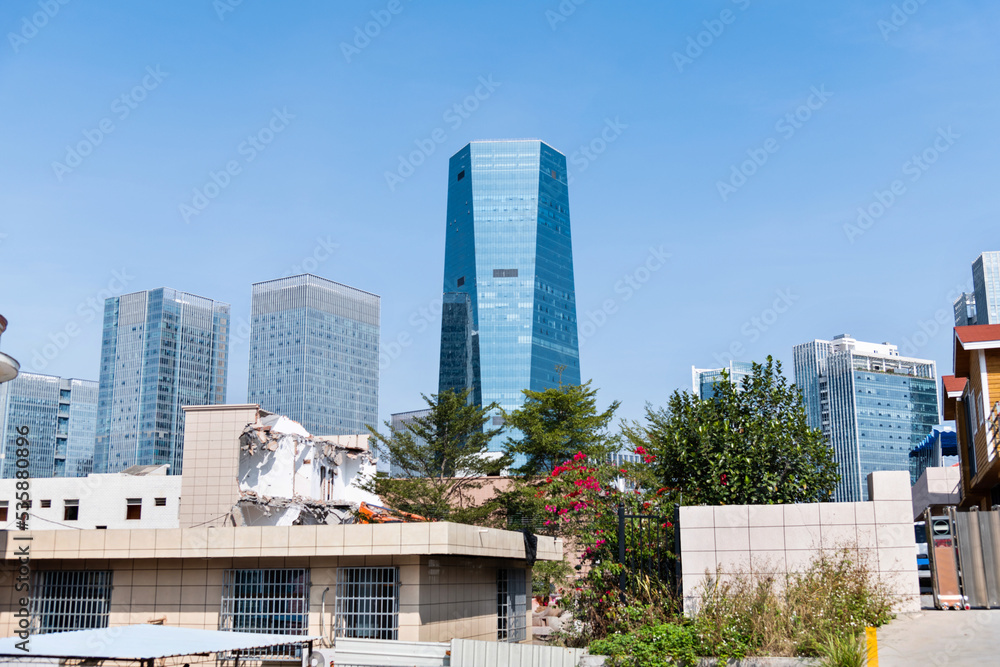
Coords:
209,487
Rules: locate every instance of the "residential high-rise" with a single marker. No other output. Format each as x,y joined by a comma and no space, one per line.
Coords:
161,350
509,316
314,353
61,416
986,287
872,405
965,309
703,380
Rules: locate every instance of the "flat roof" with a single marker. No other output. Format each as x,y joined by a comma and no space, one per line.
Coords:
142,642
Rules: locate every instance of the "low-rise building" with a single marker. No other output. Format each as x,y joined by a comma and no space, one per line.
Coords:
972,399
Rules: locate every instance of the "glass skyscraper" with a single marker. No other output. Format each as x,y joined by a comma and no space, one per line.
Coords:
161,350
986,287
509,314
61,416
314,353
872,405
703,380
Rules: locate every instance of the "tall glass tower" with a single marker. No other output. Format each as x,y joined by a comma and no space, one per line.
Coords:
161,350
509,314
986,287
61,415
314,353
872,405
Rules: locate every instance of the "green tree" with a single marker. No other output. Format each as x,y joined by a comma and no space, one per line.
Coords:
555,424
443,456
746,445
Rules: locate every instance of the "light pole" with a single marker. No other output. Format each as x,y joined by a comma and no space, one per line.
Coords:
8,365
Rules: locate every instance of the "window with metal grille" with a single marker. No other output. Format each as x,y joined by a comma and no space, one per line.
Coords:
512,606
160,502
367,602
271,601
70,600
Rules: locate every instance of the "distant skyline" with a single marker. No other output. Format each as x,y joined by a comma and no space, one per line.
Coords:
744,175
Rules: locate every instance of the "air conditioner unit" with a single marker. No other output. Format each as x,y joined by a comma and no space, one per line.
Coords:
321,657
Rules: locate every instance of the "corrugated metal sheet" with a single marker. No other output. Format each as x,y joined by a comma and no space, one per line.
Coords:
139,642
473,653
390,653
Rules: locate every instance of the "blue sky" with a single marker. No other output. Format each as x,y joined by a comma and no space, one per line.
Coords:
739,138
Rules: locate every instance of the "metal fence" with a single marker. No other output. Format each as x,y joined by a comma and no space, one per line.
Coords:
512,605
274,601
367,604
643,548
70,600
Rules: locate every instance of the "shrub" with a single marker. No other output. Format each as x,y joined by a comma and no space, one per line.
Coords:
844,651
661,645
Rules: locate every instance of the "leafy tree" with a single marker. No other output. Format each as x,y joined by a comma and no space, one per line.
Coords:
443,456
746,445
555,424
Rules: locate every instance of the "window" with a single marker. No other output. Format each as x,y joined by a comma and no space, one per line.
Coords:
71,510
270,601
505,273
4,504
46,503
512,606
461,175
70,600
367,602
461,281
554,174
133,509
161,502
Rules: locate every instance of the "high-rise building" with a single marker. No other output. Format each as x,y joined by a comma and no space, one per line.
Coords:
161,350
872,405
61,417
314,353
509,315
398,422
965,309
986,287
703,380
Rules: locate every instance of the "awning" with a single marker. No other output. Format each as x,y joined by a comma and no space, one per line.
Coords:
142,642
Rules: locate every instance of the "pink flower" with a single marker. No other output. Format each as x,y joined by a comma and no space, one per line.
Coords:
640,450
579,456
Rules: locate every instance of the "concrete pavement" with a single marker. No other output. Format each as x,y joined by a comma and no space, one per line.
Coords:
933,637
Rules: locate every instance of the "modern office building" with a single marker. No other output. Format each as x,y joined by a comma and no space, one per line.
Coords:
965,309
314,353
398,422
509,316
161,350
61,419
986,287
872,405
703,380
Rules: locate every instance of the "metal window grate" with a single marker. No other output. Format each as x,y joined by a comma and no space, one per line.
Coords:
272,601
70,600
367,602
512,605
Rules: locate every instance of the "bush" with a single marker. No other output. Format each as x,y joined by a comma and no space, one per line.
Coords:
798,614
652,646
845,651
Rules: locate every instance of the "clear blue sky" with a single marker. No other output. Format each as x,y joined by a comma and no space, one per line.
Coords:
675,117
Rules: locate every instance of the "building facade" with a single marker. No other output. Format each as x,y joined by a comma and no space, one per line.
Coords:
509,317
938,450
965,309
986,287
398,422
161,350
314,353
972,399
872,405
61,417
703,380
